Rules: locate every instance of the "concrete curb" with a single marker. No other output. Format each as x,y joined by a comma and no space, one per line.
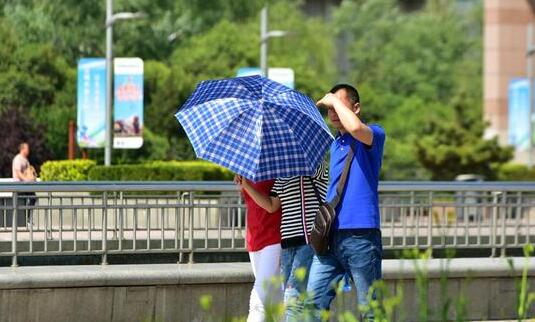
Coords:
459,267
32,277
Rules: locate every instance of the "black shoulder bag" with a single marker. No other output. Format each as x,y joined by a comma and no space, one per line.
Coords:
320,236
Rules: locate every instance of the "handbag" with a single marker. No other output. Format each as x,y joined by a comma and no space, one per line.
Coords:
320,236
30,172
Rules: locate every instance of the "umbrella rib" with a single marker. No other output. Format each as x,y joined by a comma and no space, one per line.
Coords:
257,165
230,125
302,112
276,113
223,128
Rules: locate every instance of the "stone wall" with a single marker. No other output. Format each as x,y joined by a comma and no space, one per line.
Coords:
171,292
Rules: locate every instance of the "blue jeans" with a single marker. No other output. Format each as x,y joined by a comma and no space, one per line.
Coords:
295,259
356,252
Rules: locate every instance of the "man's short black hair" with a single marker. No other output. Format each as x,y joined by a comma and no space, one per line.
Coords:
351,91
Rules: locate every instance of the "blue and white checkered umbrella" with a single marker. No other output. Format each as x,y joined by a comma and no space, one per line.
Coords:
256,127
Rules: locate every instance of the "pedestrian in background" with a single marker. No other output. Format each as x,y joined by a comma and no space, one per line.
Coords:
21,167
22,171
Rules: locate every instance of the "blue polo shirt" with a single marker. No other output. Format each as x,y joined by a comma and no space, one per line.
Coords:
359,206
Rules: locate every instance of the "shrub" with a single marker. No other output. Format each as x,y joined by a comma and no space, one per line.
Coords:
66,170
80,170
515,172
161,171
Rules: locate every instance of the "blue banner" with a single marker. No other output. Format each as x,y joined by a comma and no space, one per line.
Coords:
91,105
519,113
128,103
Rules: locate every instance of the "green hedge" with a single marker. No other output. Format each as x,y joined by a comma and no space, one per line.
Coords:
161,171
515,172
80,170
66,170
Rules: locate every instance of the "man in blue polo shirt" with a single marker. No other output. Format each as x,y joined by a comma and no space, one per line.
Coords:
356,247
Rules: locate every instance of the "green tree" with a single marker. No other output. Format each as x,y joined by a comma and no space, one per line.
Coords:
160,96
76,28
182,42
450,148
16,127
30,76
409,67
222,50
309,49
34,80
168,24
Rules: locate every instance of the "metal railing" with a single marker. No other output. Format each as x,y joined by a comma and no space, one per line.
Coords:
103,218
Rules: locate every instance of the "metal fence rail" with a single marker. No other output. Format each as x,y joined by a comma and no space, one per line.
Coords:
186,217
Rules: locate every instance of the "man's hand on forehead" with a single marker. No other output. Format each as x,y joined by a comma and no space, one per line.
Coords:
328,101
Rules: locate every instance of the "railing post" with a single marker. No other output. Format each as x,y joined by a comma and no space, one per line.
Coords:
503,241
121,220
14,229
411,209
115,214
240,203
492,224
191,230
105,228
518,216
182,212
48,220
430,222
177,229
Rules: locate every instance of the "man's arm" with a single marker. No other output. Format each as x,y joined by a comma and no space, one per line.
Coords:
349,119
22,177
270,204
19,175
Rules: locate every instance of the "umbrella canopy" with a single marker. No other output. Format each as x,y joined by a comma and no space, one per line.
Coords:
256,127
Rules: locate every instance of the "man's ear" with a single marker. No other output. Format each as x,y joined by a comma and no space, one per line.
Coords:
356,108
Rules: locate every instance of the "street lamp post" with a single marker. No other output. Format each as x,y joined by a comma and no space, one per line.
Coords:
264,37
529,72
109,73
110,20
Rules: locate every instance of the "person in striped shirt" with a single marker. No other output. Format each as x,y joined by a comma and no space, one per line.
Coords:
299,198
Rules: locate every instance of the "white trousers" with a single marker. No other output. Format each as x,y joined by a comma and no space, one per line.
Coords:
266,264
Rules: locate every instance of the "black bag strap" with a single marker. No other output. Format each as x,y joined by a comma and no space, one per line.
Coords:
343,178
316,192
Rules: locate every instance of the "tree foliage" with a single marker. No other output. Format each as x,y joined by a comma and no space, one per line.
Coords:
410,68
17,127
33,82
450,148
182,42
223,49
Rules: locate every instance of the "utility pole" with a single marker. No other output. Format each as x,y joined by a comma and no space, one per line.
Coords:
264,37
109,84
531,95
263,40
110,20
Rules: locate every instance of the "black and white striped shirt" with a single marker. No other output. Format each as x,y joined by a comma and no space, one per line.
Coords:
299,205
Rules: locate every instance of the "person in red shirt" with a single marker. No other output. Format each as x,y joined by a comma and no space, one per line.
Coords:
264,247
